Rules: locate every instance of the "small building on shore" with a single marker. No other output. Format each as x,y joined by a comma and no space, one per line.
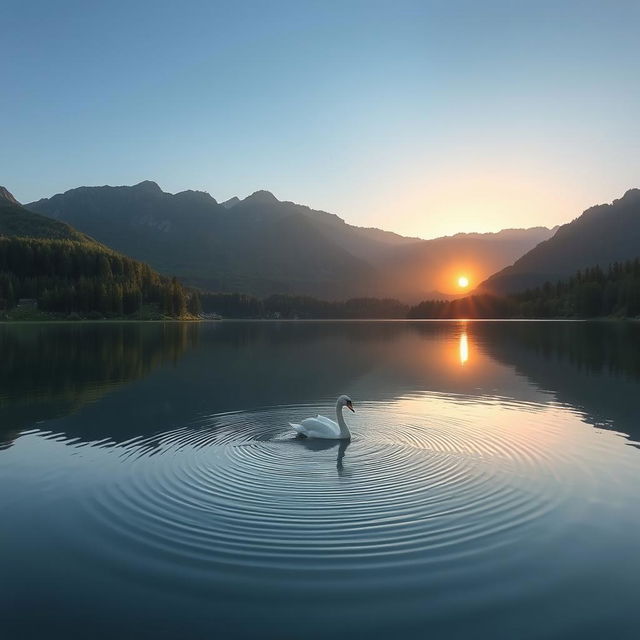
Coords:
27,303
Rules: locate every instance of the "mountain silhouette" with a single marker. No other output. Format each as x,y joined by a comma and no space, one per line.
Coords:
602,235
261,245
67,271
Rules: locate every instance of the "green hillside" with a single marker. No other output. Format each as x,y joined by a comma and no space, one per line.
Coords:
67,272
15,220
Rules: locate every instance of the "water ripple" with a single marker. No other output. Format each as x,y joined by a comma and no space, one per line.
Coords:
236,489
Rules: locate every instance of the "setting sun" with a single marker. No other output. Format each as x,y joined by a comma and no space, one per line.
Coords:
463,282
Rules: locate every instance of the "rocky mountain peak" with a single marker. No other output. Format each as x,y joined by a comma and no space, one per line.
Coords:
7,196
231,202
261,197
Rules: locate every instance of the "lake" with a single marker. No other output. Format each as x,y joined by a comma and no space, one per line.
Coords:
150,486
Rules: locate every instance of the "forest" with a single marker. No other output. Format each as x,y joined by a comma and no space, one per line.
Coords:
234,305
86,278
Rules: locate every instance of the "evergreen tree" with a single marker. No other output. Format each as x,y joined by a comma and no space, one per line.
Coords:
195,304
71,276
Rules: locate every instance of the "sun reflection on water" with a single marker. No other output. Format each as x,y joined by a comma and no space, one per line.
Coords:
464,348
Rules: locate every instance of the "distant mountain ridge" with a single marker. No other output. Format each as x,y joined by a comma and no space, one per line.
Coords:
602,235
261,245
17,221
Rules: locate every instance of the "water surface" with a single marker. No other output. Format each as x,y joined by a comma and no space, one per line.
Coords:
150,485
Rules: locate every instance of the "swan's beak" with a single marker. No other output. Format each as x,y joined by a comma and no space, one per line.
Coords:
350,406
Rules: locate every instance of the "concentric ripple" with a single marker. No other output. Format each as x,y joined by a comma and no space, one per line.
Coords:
414,486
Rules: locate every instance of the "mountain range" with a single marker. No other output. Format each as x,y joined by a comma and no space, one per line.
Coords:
602,235
260,245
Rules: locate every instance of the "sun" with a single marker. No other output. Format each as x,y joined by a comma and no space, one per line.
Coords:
463,282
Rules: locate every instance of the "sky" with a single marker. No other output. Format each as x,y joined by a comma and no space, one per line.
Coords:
427,118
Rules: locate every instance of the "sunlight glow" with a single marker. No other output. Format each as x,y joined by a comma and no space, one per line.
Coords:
463,282
464,348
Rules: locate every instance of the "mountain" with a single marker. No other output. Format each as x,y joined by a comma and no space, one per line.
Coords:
6,197
15,220
248,247
69,272
602,235
261,245
231,202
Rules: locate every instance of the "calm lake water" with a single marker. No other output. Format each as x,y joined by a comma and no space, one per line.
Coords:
150,486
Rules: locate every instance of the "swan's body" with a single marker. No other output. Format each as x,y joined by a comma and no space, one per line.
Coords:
325,428
319,427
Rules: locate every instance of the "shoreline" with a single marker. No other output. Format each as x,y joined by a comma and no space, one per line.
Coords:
298,320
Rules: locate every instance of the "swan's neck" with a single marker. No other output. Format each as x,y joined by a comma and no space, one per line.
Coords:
344,430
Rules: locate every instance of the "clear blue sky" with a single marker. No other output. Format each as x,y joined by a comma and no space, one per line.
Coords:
425,117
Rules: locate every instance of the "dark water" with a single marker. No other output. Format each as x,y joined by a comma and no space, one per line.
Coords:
150,486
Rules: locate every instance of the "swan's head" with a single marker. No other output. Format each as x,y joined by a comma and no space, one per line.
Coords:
345,401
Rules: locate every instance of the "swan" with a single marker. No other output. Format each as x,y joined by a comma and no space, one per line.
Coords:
321,427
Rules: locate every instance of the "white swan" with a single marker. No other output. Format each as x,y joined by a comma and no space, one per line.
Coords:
321,427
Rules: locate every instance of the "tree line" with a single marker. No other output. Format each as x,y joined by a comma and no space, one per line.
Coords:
67,276
235,305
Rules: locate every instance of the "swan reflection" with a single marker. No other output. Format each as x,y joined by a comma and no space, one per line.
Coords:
324,445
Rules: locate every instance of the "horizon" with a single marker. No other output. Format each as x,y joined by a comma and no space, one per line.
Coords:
419,118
